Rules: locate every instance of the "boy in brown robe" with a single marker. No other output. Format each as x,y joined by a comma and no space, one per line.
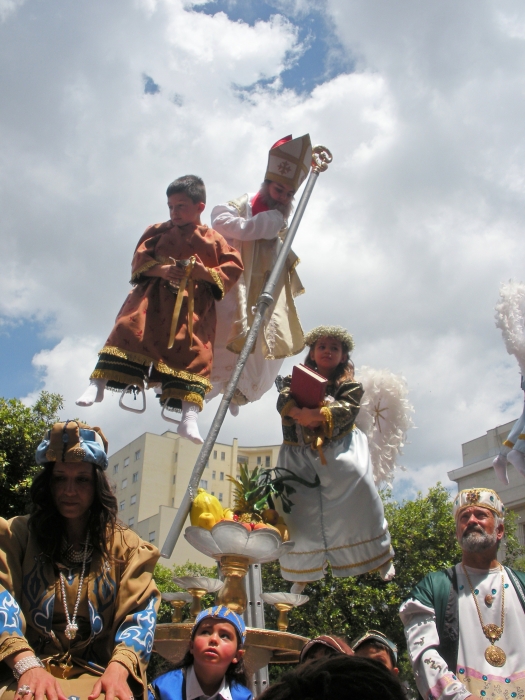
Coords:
136,353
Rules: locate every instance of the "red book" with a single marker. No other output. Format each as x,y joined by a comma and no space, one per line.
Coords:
308,388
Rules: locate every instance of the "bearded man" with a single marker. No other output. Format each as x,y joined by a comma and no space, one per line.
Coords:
255,225
465,627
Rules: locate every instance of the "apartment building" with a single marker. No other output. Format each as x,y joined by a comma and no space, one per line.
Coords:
477,471
150,476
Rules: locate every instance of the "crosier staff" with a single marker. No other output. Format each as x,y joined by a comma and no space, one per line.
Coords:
321,158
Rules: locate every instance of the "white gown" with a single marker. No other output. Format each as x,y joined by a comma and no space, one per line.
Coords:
281,335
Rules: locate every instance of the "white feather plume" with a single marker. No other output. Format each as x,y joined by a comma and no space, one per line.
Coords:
384,417
510,318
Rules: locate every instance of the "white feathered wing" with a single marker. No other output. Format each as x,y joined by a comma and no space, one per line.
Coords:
385,417
510,318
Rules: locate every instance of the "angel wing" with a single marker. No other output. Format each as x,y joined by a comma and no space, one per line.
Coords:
384,417
510,318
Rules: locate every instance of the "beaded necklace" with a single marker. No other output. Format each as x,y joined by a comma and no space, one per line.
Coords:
72,627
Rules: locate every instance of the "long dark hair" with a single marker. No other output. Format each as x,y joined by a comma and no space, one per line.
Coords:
342,373
235,673
47,525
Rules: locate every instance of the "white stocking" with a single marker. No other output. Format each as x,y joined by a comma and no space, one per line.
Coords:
387,571
93,394
299,587
500,467
188,427
516,459
234,408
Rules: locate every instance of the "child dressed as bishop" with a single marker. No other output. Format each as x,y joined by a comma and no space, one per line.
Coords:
164,333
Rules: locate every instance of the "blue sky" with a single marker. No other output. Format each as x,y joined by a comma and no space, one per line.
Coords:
322,57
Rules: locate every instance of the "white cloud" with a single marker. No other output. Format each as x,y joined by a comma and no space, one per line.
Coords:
7,7
406,238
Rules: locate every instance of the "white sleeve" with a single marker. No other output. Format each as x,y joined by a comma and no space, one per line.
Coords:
434,680
228,223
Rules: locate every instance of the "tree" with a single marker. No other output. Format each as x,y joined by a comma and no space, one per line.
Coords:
423,536
21,429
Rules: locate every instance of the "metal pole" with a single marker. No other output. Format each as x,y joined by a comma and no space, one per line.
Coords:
321,158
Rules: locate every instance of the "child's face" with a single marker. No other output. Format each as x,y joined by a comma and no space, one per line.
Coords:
327,353
183,210
281,193
215,645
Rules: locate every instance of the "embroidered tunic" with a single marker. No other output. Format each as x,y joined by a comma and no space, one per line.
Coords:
258,240
116,616
342,521
473,674
140,336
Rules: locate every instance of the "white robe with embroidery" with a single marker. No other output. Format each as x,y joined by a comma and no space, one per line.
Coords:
473,675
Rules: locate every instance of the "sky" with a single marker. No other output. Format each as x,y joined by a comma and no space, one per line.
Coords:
405,241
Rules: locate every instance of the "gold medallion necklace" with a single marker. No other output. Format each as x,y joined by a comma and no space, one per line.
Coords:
493,654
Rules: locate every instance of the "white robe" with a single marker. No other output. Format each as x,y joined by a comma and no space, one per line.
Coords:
473,675
259,372
342,521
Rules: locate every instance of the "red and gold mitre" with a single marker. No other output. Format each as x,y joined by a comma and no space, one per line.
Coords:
289,161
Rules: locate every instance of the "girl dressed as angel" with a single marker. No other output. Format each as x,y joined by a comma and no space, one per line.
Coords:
342,521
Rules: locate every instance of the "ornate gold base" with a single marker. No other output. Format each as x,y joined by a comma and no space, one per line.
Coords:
233,593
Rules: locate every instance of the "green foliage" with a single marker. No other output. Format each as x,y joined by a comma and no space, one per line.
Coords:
514,551
424,539
255,491
21,429
163,576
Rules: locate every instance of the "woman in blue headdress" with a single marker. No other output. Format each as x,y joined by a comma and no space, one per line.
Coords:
78,602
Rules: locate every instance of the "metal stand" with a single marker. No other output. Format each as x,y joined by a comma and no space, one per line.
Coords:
321,158
254,617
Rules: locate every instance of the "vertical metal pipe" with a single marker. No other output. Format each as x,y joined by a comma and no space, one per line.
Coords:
321,159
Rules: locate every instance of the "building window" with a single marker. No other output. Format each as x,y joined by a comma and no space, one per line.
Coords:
174,478
133,500
122,505
204,484
131,521
214,475
137,455
172,502
207,465
135,477
220,497
124,483
223,456
213,493
126,462
221,476
152,536
214,454
176,457
115,469
259,460
267,462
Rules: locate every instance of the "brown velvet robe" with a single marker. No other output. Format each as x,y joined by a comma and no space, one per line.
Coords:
141,332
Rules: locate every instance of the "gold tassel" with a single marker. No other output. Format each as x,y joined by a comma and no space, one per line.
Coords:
178,303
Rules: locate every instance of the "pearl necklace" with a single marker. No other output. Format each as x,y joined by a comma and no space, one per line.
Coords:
72,627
